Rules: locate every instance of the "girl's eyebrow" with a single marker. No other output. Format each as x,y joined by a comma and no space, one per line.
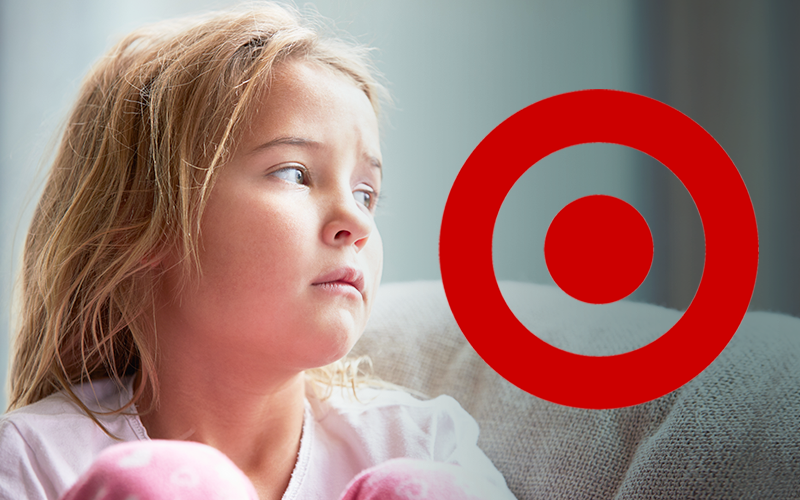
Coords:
289,140
375,163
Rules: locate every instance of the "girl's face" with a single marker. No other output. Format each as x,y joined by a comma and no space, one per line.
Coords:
290,253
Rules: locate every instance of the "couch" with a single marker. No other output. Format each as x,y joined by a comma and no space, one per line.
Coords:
732,432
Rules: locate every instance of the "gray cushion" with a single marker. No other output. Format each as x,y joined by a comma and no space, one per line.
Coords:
732,432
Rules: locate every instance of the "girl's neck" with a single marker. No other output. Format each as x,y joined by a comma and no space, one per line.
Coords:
257,426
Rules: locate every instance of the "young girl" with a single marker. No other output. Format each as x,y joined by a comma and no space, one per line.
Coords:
203,256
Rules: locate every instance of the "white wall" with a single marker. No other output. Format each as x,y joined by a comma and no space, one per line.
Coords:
456,69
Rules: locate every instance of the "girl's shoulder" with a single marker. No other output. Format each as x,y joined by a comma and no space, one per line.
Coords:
397,419
58,413
390,400
47,444
375,425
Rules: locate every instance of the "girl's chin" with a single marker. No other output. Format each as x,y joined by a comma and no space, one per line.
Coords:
339,353
323,354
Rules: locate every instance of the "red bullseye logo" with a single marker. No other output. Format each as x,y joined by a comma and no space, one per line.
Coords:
599,249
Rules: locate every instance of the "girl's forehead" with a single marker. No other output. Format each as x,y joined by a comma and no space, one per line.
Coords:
306,79
313,102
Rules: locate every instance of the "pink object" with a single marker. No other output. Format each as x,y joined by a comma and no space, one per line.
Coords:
161,470
170,470
407,479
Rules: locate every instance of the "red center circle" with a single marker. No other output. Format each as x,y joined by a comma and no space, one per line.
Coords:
598,249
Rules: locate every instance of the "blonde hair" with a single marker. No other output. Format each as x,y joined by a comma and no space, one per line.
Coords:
154,121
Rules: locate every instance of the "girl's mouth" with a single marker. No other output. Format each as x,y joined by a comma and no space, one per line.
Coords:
341,277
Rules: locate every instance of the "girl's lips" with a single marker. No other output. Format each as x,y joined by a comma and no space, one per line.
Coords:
342,276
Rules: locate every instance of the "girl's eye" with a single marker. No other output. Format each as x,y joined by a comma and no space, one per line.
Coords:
365,197
293,174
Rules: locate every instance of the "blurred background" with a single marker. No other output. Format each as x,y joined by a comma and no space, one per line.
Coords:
456,69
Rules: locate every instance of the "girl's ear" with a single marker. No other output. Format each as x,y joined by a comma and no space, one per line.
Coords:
153,259
160,257
151,262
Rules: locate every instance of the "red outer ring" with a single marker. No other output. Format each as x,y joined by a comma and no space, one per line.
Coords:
729,273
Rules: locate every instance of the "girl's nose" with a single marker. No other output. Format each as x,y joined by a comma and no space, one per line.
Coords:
346,222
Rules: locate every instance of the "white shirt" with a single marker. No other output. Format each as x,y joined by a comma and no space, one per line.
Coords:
46,446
